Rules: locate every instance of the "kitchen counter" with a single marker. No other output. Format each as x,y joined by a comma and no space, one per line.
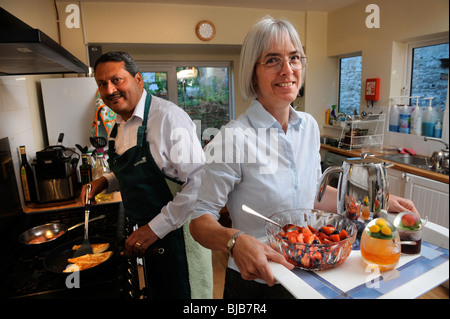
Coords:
414,276
57,206
402,167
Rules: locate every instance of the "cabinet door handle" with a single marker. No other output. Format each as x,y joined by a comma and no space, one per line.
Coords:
405,177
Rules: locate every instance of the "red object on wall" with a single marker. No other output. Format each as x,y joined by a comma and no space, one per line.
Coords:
372,89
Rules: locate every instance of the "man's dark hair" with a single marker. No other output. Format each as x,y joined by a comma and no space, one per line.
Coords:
119,56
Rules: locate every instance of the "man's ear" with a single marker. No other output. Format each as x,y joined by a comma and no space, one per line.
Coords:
139,79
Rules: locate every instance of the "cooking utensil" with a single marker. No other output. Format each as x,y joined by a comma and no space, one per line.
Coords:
83,150
286,228
56,260
50,231
86,247
98,142
363,184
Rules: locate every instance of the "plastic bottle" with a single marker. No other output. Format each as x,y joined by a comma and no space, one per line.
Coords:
333,116
438,129
429,120
404,119
416,119
100,167
394,117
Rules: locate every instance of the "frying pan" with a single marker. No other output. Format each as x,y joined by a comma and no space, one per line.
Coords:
56,260
50,231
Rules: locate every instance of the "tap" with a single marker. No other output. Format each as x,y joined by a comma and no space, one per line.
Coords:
426,138
439,159
347,117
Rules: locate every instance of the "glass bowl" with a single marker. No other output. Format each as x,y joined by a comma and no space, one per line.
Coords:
313,256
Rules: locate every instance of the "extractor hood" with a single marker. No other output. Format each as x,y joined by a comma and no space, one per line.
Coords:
24,50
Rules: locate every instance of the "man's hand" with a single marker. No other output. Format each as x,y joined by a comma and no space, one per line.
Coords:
98,186
138,242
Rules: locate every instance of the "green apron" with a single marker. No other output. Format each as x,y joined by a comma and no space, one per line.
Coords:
145,190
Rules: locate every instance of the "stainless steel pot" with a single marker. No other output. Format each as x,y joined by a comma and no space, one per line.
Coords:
48,232
363,190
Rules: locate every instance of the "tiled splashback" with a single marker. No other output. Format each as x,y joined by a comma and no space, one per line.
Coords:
15,118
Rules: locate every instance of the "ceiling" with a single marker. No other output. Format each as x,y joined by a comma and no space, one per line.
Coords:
298,5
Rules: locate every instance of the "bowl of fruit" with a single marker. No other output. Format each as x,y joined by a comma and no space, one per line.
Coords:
313,239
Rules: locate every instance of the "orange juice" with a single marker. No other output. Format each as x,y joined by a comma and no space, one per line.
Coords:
379,245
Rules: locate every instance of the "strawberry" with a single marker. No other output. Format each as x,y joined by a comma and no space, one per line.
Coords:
335,238
343,234
313,230
328,230
306,231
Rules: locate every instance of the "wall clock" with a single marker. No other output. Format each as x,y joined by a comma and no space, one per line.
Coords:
205,30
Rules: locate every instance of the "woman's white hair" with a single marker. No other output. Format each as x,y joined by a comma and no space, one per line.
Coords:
259,40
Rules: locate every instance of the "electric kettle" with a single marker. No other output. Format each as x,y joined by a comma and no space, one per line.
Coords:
363,190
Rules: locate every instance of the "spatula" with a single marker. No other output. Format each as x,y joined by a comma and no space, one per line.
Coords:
85,247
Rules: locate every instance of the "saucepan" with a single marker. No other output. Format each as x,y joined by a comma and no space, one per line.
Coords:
47,233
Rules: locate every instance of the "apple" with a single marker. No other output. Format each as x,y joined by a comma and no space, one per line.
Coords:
409,220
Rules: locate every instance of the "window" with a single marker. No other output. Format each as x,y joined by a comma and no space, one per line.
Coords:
156,84
428,71
201,89
204,94
350,84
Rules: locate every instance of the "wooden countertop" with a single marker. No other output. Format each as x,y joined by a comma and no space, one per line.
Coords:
75,203
401,167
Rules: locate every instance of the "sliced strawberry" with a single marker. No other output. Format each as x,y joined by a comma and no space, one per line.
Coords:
328,230
335,238
300,238
323,236
343,234
313,230
306,231
317,256
305,260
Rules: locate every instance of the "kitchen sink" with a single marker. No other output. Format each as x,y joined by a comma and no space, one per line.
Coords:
416,161
328,140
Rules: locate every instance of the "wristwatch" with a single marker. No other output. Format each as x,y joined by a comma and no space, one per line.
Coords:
232,242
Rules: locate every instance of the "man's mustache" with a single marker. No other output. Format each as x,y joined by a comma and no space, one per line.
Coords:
111,96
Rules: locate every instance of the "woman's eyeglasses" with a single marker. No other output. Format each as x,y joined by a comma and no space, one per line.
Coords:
274,64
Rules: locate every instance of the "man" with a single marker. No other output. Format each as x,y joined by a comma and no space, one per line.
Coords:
158,186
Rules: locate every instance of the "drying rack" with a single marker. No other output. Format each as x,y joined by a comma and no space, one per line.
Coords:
363,131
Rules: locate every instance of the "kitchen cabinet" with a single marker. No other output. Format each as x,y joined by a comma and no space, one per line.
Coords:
430,197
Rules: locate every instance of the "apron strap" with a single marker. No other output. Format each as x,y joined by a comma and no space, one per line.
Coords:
112,139
142,130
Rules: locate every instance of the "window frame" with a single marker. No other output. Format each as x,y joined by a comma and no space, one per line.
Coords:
346,56
410,46
171,69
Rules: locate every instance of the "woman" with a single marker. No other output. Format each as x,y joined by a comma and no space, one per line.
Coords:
271,73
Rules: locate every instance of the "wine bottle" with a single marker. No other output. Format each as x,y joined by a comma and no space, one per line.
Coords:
85,170
27,177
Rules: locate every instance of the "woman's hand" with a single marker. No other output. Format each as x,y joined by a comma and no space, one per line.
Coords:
252,256
398,205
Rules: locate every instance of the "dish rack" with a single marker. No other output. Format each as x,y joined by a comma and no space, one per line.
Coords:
363,131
